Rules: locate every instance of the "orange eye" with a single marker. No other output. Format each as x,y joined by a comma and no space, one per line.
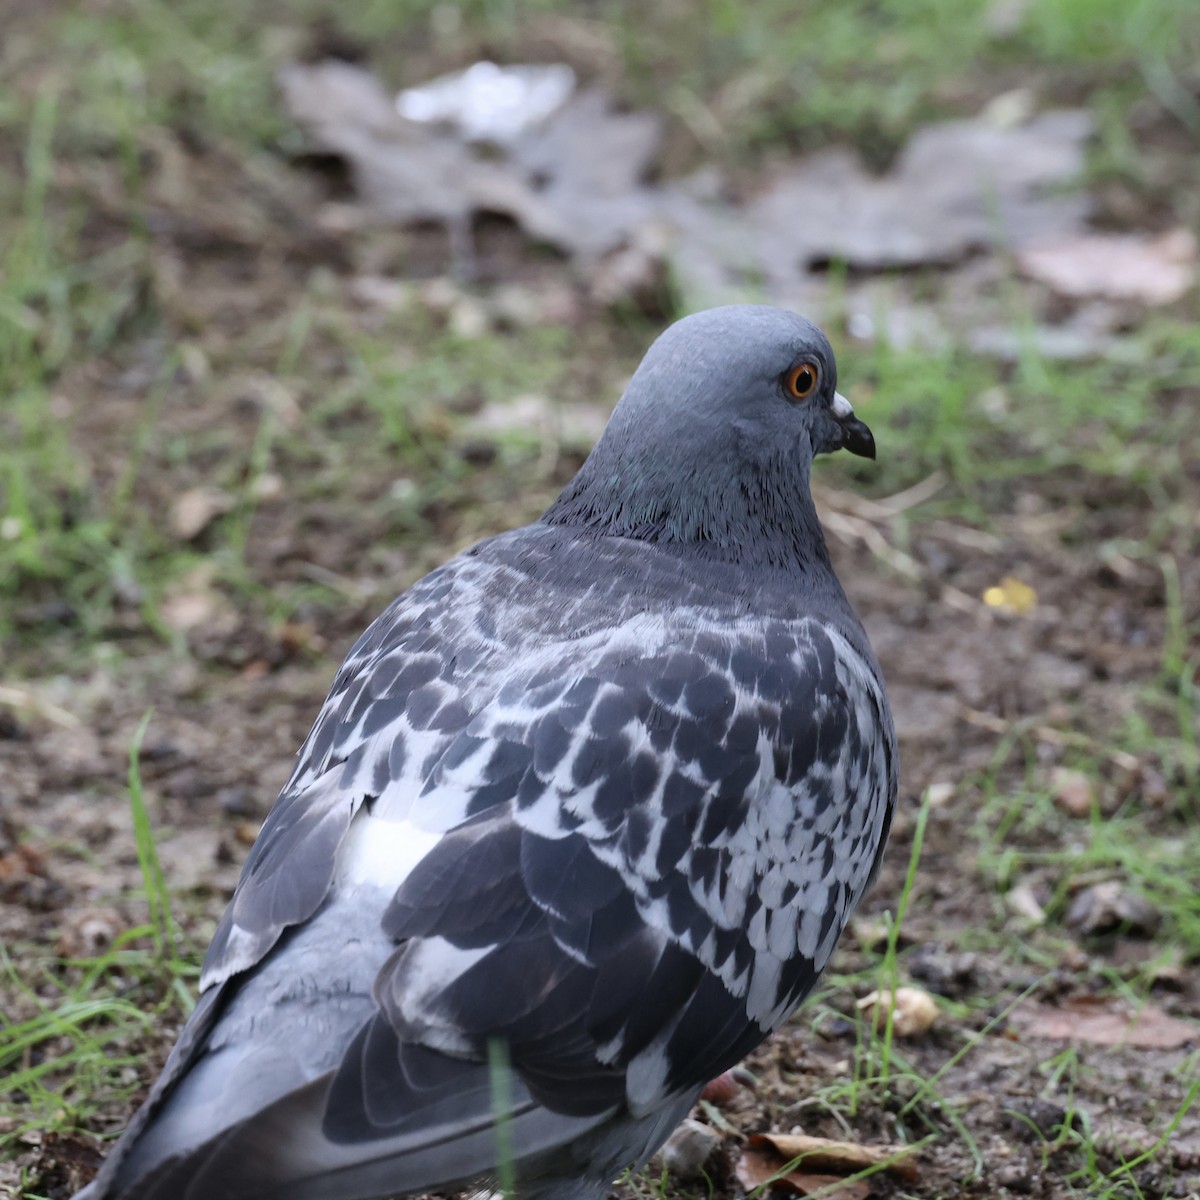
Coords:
802,380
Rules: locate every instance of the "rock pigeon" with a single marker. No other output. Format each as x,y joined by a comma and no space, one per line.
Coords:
578,826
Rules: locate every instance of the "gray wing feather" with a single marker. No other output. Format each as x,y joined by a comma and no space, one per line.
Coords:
625,848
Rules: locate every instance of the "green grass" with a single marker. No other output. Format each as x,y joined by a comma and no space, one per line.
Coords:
923,1112
76,1040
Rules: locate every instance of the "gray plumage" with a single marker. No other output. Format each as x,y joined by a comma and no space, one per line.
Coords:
599,794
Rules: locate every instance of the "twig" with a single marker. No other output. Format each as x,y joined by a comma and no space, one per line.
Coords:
889,506
860,529
22,698
964,535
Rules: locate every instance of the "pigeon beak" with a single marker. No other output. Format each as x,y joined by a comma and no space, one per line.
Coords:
856,437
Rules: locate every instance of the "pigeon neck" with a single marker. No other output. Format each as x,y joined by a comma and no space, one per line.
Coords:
733,510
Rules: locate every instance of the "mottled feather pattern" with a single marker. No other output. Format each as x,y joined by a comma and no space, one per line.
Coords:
677,777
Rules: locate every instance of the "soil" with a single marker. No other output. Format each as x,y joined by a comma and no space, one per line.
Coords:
228,719
229,714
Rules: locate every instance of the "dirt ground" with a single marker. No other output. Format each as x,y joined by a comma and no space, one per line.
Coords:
227,719
1006,713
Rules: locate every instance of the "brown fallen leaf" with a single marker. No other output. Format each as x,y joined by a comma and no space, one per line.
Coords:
21,862
65,1158
830,1155
1153,270
1099,1024
300,637
758,1167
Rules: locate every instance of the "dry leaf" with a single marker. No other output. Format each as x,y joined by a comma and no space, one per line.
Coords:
688,1149
758,1167
957,186
404,171
299,637
587,164
196,509
828,1154
1153,270
575,182
914,1010
1149,1028
20,865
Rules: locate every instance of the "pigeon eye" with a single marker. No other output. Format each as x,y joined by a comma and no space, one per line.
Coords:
801,381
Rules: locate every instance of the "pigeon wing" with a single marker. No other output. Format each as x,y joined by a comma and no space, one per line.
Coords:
659,853
638,842
394,701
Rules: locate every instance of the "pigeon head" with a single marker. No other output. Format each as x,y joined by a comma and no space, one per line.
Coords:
712,443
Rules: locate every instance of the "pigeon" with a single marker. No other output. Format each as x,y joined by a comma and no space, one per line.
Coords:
578,825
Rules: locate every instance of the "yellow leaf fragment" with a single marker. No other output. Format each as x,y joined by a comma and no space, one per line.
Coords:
1011,595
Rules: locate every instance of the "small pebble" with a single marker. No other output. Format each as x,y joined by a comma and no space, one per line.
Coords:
915,1010
1072,791
687,1150
237,801
943,971
469,319
1030,1118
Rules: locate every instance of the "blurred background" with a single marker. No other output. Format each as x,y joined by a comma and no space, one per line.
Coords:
298,299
